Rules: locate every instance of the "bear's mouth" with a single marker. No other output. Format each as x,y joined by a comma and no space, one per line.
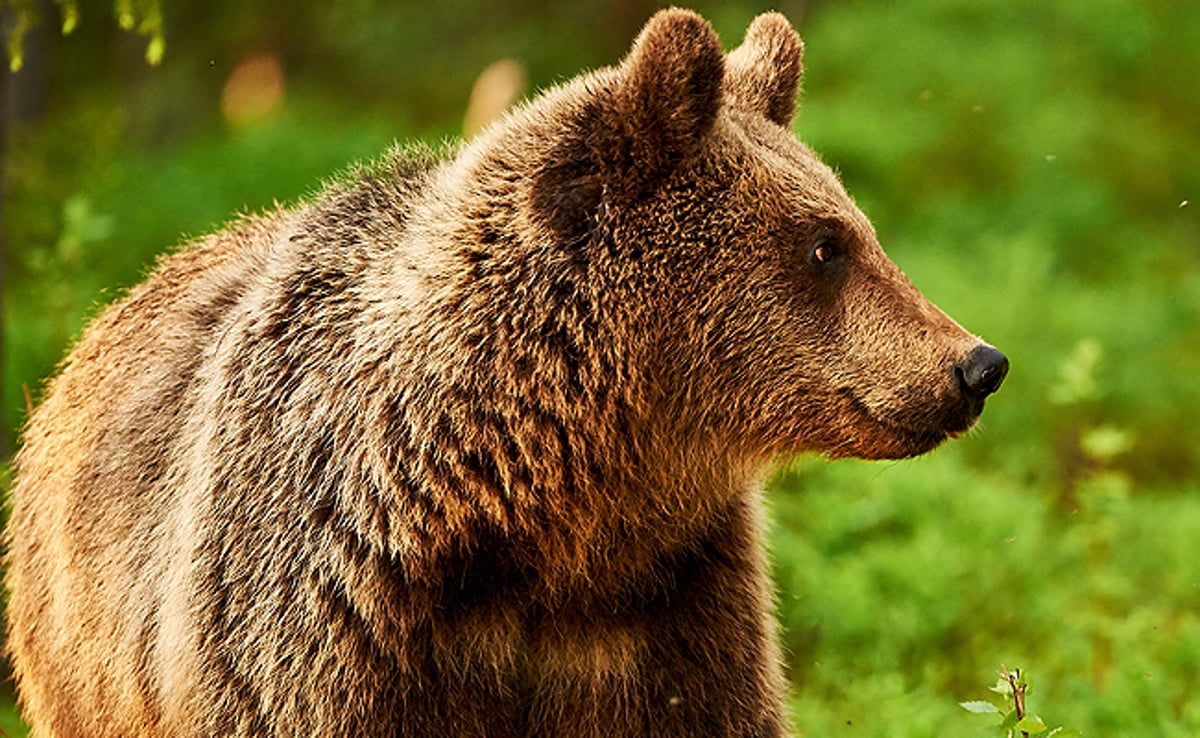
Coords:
916,428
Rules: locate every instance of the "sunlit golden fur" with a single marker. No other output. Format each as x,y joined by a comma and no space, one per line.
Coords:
472,447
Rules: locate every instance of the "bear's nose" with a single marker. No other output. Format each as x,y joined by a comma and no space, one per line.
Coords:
983,371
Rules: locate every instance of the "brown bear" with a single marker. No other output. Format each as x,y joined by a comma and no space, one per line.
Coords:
472,445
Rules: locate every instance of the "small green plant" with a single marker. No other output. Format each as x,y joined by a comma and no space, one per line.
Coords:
1013,686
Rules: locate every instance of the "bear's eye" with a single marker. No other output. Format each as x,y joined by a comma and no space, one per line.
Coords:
827,250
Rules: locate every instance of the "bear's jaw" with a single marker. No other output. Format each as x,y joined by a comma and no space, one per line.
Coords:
915,430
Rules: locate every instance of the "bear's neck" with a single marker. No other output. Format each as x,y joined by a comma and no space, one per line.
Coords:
563,484
516,412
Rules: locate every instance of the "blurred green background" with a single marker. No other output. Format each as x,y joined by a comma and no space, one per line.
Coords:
1033,166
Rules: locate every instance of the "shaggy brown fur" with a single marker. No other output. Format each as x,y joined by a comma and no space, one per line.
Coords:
472,447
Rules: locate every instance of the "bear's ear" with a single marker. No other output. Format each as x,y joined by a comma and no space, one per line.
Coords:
763,74
669,91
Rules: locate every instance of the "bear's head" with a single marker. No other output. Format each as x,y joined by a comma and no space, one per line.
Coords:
732,278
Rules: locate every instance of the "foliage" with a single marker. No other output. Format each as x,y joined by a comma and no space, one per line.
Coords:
143,15
903,584
1034,167
1012,687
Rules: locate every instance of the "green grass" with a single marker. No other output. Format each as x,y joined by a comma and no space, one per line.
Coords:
10,717
905,586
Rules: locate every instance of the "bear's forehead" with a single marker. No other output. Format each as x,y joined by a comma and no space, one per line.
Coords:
776,161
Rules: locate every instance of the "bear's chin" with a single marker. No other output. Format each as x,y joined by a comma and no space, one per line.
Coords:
904,435
888,446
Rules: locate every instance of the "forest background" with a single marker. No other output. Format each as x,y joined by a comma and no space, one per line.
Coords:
1034,167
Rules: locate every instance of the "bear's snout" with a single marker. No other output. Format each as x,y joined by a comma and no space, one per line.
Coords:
982,372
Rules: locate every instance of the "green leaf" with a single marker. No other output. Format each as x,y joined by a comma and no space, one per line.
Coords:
1002,687
1064,733
23,21
69,10
1031,724
155,49
125,16
1009,722
1105,442
979,707
1077,381
16,57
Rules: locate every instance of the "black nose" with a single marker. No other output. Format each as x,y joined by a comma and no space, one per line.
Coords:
983,371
